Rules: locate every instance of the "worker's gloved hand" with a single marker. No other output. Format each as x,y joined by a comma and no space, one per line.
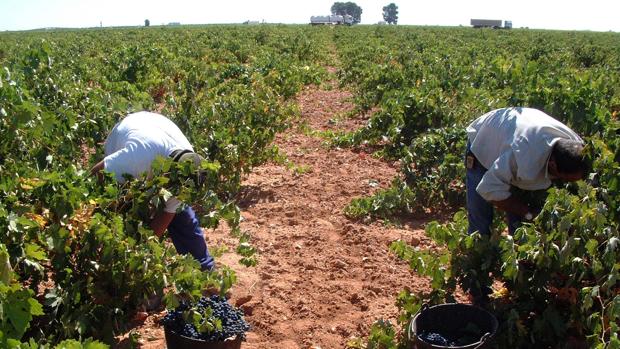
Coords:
531,214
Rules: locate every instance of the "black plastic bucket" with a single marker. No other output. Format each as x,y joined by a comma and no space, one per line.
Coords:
450,320
177,341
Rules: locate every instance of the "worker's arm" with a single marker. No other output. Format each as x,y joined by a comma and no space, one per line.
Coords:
97,170
495,186
160,223
513,205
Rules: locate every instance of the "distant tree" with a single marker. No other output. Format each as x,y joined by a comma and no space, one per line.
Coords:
147,23
390,13
348,8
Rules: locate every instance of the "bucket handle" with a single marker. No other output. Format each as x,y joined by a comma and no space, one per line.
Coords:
483,340
424,307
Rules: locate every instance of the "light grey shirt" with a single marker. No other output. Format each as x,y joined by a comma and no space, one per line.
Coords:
515,144
137,140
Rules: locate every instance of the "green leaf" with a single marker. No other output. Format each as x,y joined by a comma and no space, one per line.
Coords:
592,246
165,194
20,308
35,252
6,272
88,344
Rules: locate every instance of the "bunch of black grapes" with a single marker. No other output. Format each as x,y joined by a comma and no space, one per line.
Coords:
436,339
466,336
233,324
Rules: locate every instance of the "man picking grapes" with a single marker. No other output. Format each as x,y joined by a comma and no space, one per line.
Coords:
514,151
130,148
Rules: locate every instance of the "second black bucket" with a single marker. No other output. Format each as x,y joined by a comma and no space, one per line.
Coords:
176,341
450,320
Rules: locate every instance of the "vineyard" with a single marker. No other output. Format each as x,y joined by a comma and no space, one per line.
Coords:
327,150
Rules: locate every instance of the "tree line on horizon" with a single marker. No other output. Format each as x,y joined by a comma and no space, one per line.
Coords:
390,11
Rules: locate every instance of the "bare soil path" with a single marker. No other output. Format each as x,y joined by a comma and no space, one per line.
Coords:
321,278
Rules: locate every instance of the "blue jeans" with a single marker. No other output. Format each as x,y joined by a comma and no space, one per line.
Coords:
187,237
479,211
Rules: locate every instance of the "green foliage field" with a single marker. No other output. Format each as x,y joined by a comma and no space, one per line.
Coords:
559,275
78,258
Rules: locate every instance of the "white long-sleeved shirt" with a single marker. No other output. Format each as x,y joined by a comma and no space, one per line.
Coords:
515,144
137,140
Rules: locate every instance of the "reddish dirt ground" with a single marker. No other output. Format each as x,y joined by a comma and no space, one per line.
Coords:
321,278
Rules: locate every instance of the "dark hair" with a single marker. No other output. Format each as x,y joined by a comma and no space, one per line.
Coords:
569,157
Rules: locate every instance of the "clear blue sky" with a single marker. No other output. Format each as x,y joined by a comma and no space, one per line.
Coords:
599,15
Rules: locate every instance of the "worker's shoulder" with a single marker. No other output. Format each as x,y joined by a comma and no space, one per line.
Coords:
145,115
538,118
516,110
145,120
532,112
